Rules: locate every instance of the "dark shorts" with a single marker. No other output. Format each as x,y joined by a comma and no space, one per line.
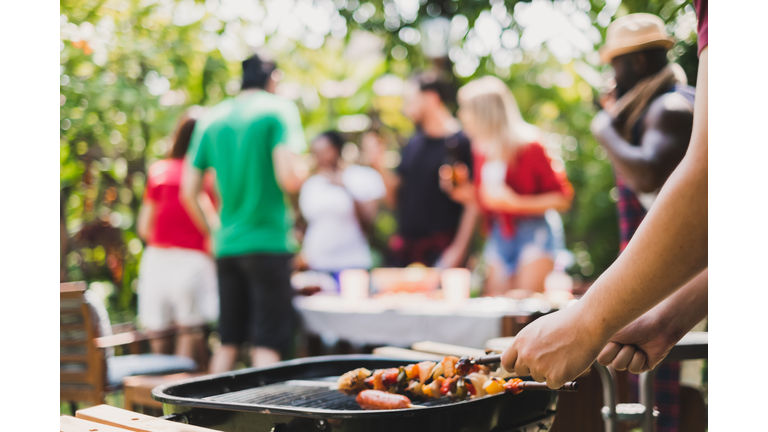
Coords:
255,300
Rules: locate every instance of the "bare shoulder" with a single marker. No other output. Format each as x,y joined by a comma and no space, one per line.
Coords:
669,110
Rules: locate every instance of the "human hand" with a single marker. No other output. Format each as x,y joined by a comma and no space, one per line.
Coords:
608,99
503,198
452,257
640,346
446,178
555,348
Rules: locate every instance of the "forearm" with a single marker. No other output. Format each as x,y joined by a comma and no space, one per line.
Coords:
391,184
685,308
365,212
145,220
209,211
670,246
191,187
466,227
538,204
290,169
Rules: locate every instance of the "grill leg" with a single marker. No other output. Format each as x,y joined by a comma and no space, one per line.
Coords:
646,398
609,397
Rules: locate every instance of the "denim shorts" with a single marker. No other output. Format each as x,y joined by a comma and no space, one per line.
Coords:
535,237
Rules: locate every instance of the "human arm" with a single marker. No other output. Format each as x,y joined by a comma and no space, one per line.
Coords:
667,251
290,170
647,166
373,153
644,343
508,201
191,187
146,220
392,183
455,253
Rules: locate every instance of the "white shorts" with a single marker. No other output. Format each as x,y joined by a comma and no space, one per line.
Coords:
177,286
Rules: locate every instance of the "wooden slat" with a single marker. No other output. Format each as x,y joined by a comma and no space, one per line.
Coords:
119,339
72,287
132,421
444,349
78,378
72,424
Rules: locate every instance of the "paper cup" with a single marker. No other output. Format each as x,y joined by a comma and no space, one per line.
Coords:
455,283
354,284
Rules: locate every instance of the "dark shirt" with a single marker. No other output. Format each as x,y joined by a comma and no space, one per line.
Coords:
424,209
631,212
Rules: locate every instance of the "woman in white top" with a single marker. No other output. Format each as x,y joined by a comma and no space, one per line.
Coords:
339,204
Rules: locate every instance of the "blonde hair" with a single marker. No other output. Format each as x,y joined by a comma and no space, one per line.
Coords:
496,114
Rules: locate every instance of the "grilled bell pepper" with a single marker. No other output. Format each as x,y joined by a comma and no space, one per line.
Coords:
512,386
494,385
389,377
412,371
448,386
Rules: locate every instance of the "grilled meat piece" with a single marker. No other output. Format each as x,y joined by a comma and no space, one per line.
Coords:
353,382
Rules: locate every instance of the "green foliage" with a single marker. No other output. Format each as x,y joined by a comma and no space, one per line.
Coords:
142,63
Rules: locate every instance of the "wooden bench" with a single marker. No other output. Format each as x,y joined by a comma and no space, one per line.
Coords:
105,418
137,389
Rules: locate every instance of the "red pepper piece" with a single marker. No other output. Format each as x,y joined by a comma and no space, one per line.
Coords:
389,377
449,385
513,386
470,388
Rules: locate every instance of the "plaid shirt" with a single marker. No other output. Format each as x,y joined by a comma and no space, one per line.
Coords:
631,212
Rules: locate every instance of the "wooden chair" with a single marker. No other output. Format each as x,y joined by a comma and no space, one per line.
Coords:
88,370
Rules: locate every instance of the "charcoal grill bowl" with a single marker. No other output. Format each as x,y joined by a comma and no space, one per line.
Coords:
526,412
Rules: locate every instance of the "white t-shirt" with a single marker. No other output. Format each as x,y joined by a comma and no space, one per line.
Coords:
334,240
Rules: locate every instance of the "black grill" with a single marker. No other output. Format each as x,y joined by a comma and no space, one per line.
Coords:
299,395
294,393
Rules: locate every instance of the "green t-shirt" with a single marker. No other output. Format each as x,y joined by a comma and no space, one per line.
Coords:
236,138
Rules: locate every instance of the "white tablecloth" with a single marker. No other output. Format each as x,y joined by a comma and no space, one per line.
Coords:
379,322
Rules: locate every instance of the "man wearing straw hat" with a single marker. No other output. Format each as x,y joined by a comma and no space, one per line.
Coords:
645,126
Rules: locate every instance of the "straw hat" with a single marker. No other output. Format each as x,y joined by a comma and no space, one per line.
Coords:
634,32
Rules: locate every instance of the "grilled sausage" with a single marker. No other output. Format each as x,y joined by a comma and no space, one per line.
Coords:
379,400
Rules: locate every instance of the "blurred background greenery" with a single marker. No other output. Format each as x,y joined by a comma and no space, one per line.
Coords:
129,68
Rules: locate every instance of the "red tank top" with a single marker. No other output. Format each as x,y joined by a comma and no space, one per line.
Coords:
173,227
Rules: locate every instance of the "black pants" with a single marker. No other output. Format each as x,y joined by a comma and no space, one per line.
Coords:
255,300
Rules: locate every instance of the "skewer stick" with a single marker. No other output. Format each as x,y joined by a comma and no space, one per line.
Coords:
487,359
570,386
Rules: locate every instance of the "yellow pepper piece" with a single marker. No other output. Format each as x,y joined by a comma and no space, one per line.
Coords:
493,386
412,371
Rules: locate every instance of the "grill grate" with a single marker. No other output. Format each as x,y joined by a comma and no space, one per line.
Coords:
301,394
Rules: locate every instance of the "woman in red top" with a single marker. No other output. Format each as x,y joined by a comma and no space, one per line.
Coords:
177,277
516,186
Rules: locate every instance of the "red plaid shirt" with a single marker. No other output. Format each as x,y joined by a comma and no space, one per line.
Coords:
631,212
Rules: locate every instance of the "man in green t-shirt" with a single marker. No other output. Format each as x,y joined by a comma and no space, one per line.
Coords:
252,141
